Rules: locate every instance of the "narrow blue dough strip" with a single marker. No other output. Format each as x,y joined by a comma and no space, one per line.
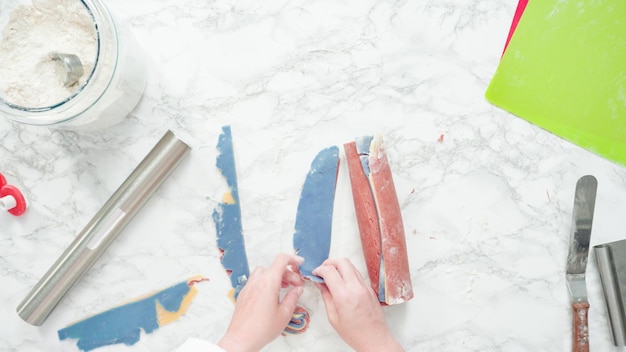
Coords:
313,228
227,217
363,149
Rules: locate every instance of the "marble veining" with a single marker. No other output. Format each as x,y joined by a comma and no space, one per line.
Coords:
486,208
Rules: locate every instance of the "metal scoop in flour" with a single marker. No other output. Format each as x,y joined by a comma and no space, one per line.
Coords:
72,68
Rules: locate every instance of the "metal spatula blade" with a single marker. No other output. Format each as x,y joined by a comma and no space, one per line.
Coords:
582,220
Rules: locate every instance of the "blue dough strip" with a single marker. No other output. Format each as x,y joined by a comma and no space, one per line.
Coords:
227,217
313,228
123,324
363,149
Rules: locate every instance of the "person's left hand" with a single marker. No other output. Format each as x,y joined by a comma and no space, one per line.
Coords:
259,315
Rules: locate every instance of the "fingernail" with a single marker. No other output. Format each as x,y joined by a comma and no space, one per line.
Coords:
316,271
299,291
300,259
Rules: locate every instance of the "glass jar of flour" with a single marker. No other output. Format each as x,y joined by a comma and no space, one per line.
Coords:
67,64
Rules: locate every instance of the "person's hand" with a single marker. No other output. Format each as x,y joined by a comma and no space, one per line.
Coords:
353,308
259,315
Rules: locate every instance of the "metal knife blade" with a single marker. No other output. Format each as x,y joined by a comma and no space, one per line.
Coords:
582,221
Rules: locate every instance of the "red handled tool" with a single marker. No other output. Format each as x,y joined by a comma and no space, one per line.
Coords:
11,198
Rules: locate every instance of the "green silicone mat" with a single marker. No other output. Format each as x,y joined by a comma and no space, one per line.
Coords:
565,71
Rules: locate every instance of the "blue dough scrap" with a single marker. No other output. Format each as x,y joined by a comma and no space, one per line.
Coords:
363,149
313,228
227,217
123,324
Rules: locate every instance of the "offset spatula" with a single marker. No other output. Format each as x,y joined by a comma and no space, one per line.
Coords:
584,204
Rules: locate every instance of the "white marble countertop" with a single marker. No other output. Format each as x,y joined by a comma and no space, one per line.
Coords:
487,211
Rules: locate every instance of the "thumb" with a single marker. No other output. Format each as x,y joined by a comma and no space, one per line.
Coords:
288,305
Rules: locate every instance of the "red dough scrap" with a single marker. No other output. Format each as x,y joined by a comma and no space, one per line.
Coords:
366,214
398,286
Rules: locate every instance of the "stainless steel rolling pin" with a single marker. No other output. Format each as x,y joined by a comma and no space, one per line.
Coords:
103,228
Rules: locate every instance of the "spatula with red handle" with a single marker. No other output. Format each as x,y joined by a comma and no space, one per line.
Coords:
582,219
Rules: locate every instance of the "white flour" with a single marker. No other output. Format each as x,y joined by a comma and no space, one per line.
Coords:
28,76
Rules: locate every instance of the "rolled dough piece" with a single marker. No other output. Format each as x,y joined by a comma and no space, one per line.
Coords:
227,218
314,217
395,268
380,220
299,322
123,324
366,213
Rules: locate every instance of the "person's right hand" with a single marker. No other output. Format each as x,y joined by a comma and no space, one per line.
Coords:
353,308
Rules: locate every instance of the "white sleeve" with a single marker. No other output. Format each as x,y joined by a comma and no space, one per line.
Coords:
198,345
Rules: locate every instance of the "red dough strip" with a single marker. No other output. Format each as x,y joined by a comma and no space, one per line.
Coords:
366,214
398,286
